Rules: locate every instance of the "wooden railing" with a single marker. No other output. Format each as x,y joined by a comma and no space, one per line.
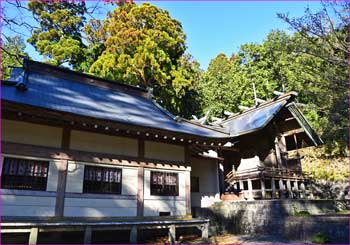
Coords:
266,171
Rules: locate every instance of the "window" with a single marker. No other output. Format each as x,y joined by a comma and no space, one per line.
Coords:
194,184
102,180
164,184
24,174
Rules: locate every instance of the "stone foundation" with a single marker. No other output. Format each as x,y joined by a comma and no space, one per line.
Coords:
280,217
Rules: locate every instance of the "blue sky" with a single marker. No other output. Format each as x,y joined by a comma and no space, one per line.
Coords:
222,26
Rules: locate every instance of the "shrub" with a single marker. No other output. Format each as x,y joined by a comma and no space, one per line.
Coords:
320,238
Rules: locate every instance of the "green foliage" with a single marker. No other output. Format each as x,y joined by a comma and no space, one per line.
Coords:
320,238
302,214
325,37
12,52
325,166
144,46
58,36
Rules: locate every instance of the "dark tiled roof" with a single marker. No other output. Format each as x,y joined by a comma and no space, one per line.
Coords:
52,92
254,120
85,95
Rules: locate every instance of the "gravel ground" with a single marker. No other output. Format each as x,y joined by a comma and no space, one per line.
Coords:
243,239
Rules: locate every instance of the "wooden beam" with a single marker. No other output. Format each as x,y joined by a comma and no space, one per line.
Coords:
43,152
293,132
61,188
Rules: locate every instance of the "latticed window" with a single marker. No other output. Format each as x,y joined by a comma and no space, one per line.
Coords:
24,174
164,184
102,180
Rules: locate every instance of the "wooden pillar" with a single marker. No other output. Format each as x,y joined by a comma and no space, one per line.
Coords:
133,235
65,142
61,188
172,234
140,180
302,187
296,189
281,189
140,191
221,178
250,190
33,236
241,186
87,235
289,189
273,187
278,154
205,231
284,152
141,148
188,181
62,174
263,189
188,192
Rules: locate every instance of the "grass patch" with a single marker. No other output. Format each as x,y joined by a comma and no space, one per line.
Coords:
302,214
320,238
344,211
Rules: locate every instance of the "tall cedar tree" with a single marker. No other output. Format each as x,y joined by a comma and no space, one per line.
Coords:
59,35
144,46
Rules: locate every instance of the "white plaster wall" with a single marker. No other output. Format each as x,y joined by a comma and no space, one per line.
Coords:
207,171
162,151
75,177
30,133
176,205
92,142
52,177
98,207
16,205
129,181
101,205
153,207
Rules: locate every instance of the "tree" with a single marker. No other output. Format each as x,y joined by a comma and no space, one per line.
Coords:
326,35
12,55
142,45
59,36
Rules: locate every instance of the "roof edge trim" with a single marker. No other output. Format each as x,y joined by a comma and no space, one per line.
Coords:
29,65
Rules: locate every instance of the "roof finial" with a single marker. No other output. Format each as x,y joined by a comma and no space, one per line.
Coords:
150,93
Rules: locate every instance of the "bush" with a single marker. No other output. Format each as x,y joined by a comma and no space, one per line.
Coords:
320,238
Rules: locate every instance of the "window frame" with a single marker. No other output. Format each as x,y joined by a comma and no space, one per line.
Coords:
119,185
29,182
165,190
